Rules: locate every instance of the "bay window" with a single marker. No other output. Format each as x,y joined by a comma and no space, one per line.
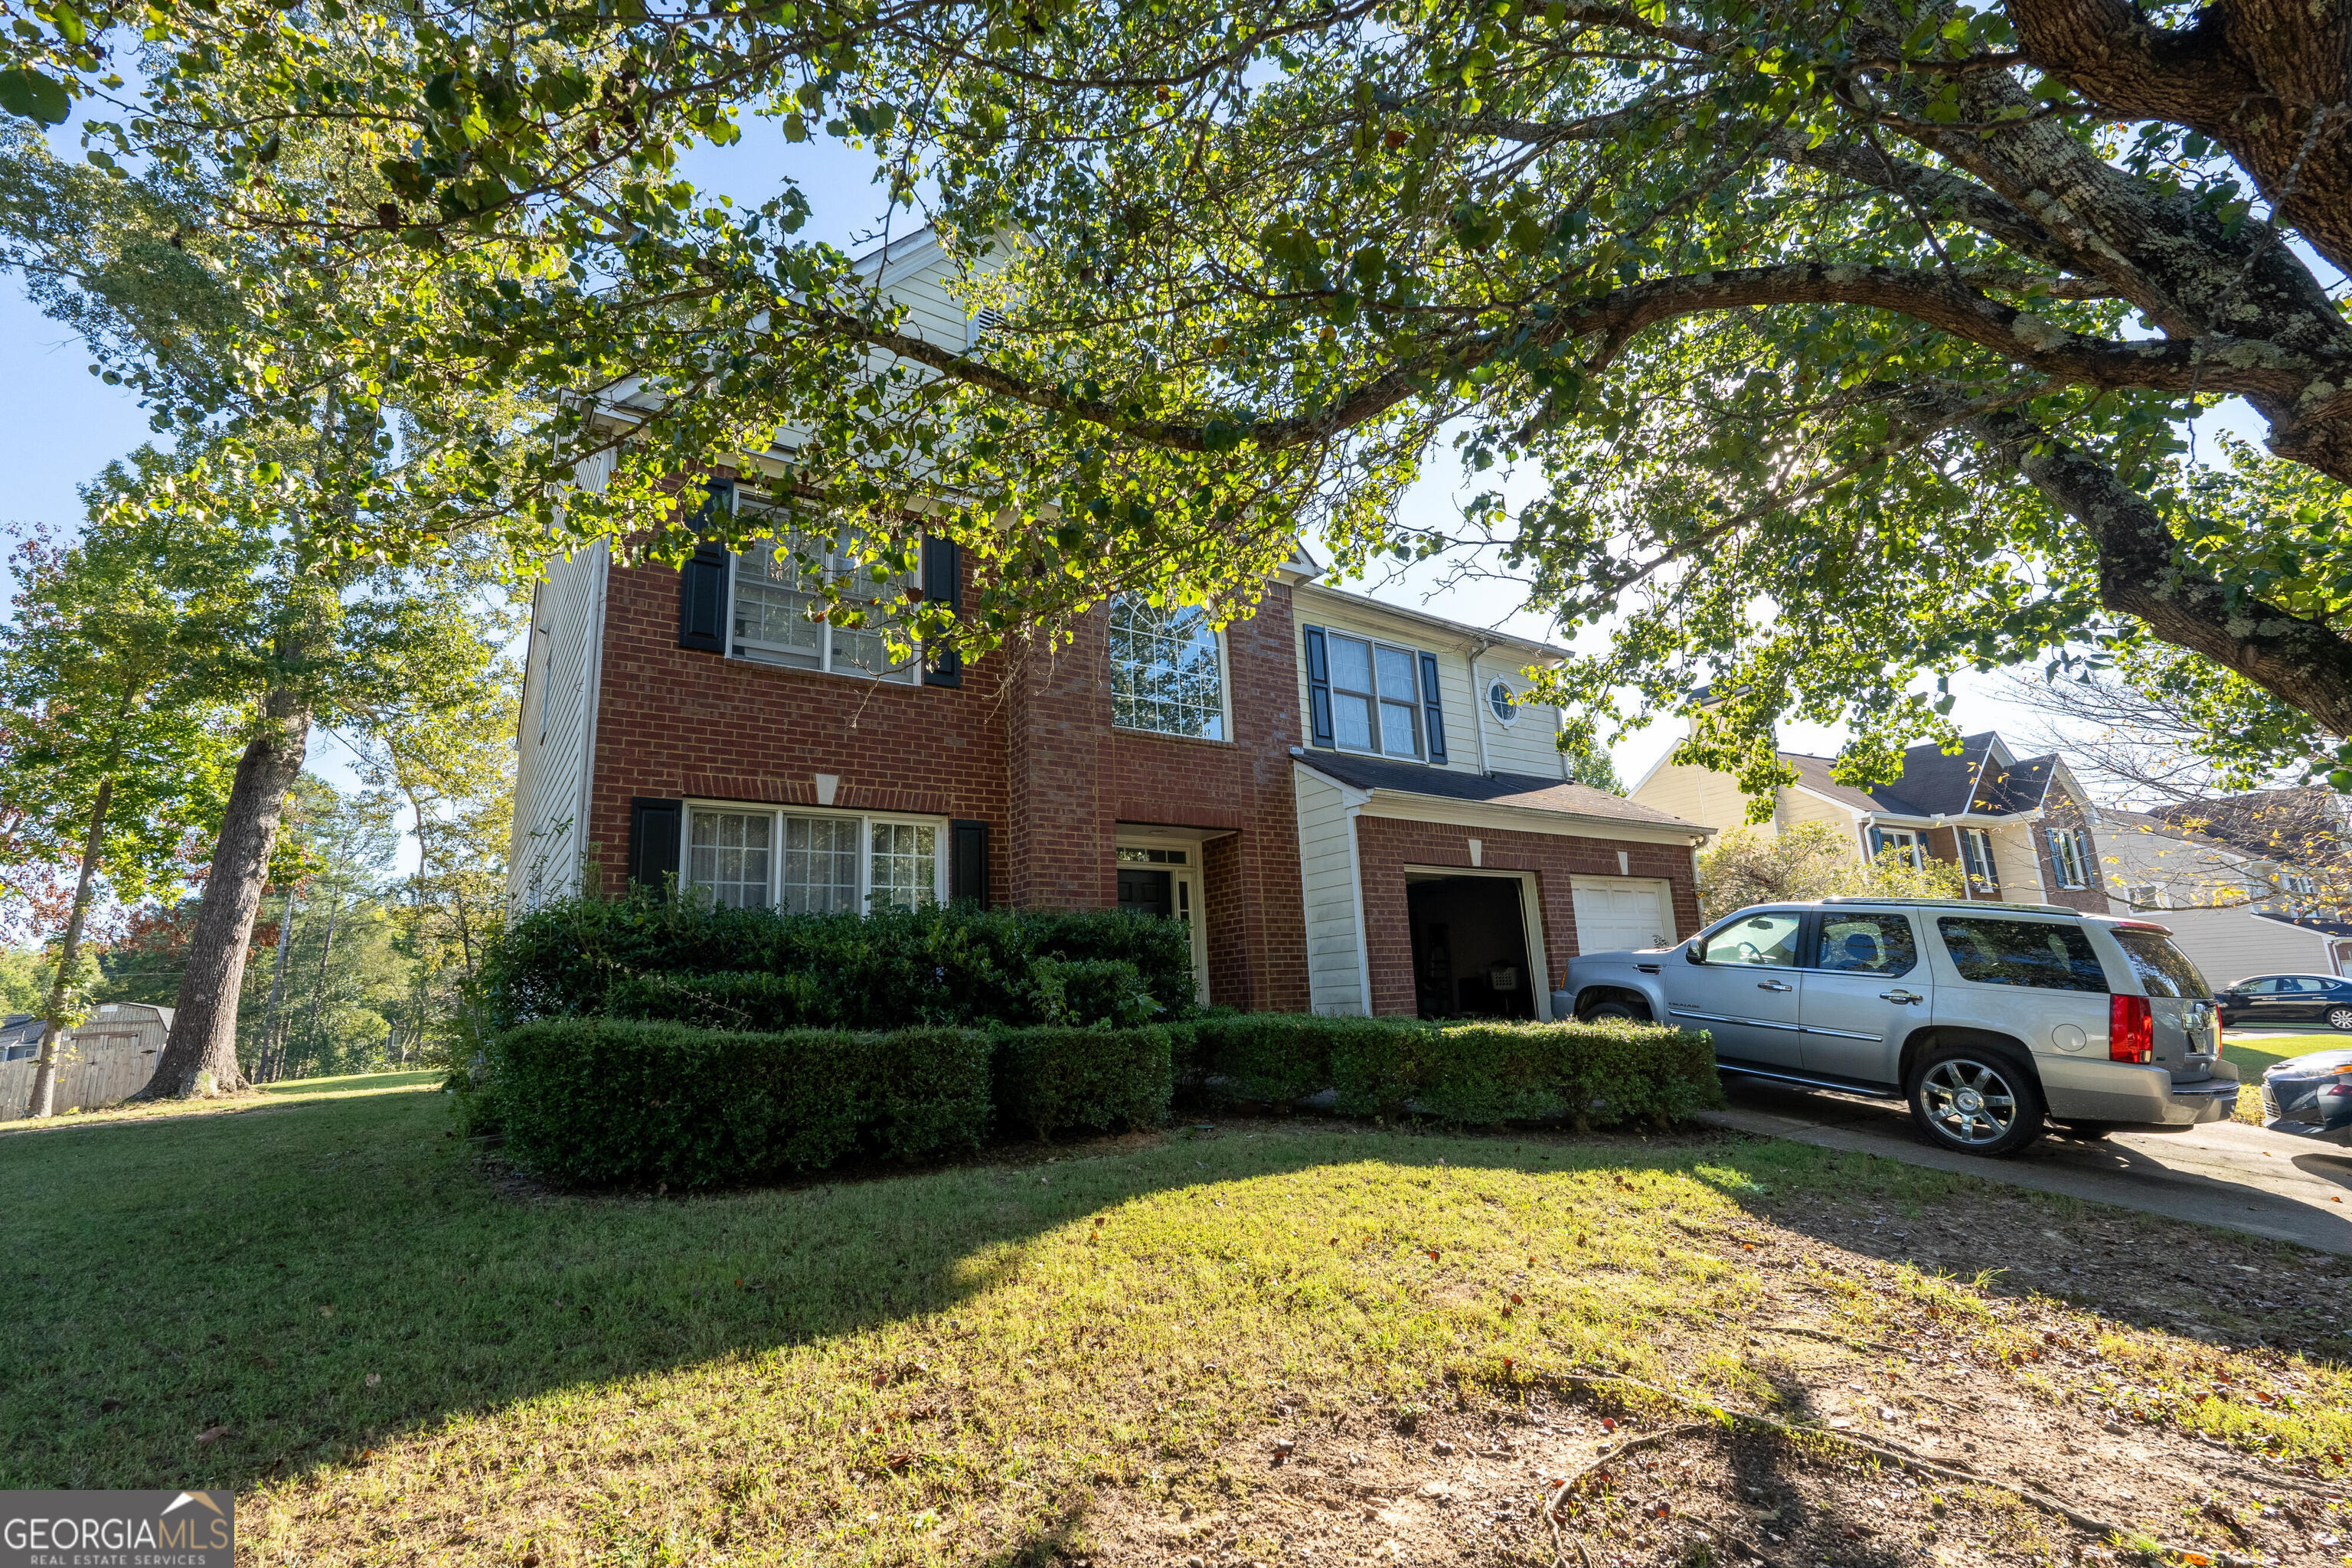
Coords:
813,863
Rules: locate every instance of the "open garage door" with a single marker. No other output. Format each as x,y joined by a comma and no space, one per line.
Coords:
1614,912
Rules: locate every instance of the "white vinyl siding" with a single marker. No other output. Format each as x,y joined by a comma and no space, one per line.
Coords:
1327,873
554,746
1346,615
1530,744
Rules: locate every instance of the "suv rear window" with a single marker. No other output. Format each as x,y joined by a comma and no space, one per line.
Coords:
2163,969
2040,953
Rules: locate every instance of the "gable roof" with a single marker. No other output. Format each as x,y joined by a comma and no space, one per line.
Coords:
1980,779
1524,790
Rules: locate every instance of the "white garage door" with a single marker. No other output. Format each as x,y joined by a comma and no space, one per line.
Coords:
1614,912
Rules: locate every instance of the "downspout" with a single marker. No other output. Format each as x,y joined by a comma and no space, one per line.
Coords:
1356,890
1478,705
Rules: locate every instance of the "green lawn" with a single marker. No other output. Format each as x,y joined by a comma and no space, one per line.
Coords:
392,1353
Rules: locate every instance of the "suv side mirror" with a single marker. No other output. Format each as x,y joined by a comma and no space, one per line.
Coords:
1691,951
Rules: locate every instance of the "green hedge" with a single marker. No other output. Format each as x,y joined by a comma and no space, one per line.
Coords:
1050,1081
681,959
588,1101
595,1101
1610,1071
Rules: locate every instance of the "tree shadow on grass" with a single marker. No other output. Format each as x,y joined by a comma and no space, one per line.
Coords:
302,1287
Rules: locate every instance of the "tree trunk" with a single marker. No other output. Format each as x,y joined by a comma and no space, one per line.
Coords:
271,1037
203,1041
45,1072
325,952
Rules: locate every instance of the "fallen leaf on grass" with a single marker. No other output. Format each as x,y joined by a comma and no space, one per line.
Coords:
373,1378
212,1433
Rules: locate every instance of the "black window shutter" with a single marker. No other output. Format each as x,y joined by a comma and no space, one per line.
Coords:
653,833
943,580
968,863
702,582
1318,689
1429,707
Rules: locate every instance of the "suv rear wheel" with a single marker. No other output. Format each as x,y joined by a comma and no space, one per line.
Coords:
1975,1100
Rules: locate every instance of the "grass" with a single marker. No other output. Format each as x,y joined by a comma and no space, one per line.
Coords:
2256,1054
267,1098
390,1351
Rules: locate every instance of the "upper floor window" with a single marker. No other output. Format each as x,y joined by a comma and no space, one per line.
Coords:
1504,701
779,582
1375,697
2069,859
1167,669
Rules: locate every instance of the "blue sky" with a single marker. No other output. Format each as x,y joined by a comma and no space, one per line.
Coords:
62,426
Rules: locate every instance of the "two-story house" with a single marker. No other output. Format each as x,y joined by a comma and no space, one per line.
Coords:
2019,828
1352,804
2248,884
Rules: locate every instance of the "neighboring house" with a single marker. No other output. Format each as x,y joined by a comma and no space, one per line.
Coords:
2235,910
1347,802
2020,828
111,1055
2299,839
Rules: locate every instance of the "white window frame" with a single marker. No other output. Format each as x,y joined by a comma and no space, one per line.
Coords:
777,657
2069,859
1909,839
1420,706
1510,713
1225,700
941,847
1976,845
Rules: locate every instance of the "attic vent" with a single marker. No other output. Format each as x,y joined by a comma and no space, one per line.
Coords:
988,325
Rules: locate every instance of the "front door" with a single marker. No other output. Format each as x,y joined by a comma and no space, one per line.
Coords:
1165,881
1863,990
1743,990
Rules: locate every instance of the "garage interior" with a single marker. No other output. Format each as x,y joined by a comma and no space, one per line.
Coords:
1469,948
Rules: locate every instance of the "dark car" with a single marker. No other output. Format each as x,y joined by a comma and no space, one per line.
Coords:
2289,999
2311,1096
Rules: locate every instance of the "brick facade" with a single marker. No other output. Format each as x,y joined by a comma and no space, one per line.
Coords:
1386,846
1025,744
2062,812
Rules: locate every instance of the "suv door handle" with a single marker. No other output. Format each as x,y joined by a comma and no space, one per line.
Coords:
1899,996
1774,985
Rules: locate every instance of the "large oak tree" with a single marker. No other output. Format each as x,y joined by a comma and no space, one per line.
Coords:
1828,347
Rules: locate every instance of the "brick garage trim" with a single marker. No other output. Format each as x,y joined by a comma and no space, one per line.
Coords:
1385,846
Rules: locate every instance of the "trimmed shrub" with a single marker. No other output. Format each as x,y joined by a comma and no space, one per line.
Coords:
1279,1058
589,1102
1051,1080
1608,1072
645,957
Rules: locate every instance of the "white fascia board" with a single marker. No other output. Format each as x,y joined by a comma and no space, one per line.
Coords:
1526,819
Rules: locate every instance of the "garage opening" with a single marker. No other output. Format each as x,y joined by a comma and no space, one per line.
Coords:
1469,948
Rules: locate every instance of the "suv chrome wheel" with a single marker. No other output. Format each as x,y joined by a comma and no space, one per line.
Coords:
1975,1101
1969,1102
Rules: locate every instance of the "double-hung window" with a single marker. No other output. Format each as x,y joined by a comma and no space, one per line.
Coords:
2067,858
1901,839
779,584
1976,859
807,863
1167,669
1375,697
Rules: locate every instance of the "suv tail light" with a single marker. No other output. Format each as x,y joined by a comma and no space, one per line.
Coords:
2131,1029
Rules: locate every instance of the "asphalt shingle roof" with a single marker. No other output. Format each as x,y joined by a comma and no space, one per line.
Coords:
1523,790
1937,785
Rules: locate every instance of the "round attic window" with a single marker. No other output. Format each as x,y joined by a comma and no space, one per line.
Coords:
1504,701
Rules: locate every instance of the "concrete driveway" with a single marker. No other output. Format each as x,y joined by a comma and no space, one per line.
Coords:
2227,1173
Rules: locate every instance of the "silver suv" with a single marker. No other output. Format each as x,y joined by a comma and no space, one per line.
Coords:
1990,1018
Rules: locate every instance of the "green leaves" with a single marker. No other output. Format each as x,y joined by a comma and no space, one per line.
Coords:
27,93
